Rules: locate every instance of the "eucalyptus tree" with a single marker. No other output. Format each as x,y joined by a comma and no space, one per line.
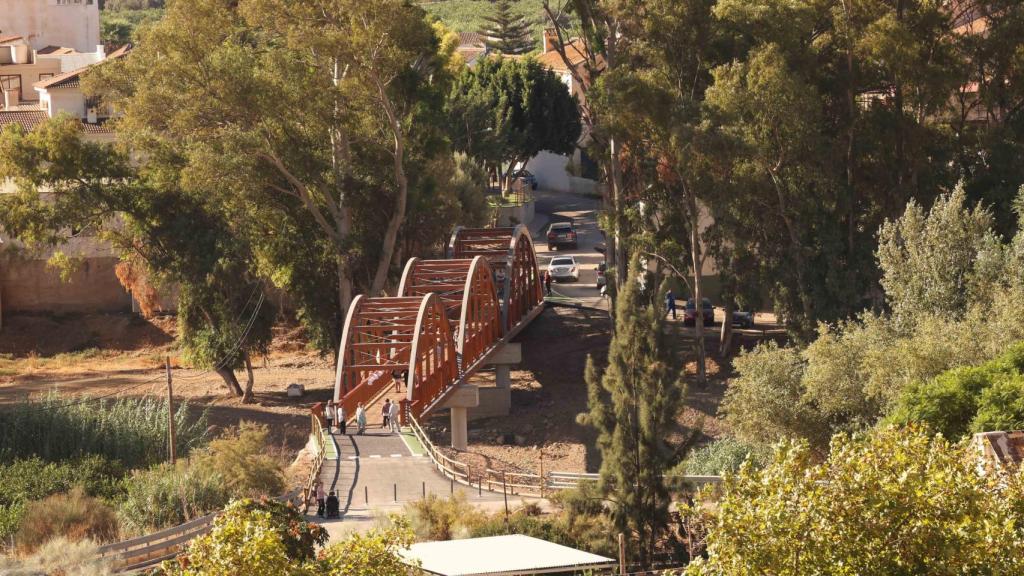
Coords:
311,124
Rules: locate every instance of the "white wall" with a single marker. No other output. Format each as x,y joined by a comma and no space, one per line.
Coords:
70,23
550,171
70,100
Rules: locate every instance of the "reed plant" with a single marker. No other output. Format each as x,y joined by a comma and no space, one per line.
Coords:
132,431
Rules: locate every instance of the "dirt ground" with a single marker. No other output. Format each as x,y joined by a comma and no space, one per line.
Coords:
549,392
123,355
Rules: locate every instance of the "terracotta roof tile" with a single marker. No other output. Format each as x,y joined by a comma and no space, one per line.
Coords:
72,79
27,119
471,39
553,60
30,120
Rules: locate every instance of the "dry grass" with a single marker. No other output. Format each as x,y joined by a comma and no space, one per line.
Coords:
58,557
74,516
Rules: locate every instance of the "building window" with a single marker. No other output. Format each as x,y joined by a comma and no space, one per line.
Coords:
44,76
11,83
69,2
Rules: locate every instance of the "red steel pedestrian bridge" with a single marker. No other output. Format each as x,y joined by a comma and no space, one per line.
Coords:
448,319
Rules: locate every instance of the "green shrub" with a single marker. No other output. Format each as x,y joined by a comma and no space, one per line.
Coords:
73,515
240,458
254,538
592,533
436,518
720,456
132,431
23,481
1001,406
168,495
964,400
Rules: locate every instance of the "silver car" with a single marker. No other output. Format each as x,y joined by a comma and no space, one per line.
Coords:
564,268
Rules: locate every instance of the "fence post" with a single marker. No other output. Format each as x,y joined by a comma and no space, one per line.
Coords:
504,492
542,482
171,435
622,554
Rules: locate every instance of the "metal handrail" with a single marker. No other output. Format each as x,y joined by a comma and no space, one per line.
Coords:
518,482
320,441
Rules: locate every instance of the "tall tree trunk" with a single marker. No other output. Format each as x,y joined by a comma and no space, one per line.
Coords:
250,379
725,338
619,262
798,253
851,102
402,185
340,158
698,286
228,375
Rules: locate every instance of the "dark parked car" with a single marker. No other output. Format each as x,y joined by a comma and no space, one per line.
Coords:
690,315
743,318
527,177
562,234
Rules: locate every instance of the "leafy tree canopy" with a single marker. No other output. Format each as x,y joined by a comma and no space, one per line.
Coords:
894,501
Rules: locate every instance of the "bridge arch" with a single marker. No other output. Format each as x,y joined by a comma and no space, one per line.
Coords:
385,334
432,362
511,255
466,288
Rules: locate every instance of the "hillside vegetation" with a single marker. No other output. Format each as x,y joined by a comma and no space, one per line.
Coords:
468,15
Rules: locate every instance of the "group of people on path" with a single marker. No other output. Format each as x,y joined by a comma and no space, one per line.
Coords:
334,416
329,506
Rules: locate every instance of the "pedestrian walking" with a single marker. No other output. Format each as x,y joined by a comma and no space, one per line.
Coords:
394,418
360,419
329,414
670,304
320,498
333,505
340,417
385,413
396,375
547,282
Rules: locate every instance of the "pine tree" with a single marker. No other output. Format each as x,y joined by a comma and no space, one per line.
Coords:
505,32
634,404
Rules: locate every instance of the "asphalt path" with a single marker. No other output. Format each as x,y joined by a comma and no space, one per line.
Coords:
583,211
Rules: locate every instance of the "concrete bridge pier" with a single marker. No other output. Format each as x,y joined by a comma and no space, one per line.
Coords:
465,396
470,401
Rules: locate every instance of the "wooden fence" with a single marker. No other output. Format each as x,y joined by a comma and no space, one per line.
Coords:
541,484
147,551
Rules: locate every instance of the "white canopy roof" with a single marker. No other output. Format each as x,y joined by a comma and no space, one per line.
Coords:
511,555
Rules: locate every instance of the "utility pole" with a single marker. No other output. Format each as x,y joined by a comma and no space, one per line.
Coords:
171,436
622,554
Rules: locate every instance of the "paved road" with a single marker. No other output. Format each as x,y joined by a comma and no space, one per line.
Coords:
378,472
554,207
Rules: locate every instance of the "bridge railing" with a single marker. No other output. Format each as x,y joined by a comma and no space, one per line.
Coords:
320,443
540,485
457,471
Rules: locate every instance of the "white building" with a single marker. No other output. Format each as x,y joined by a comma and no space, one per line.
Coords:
71,24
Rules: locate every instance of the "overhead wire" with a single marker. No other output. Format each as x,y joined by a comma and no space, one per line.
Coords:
227,358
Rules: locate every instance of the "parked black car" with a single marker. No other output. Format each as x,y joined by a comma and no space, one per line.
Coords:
562,234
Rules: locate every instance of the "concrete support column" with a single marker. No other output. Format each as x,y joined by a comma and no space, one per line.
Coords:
503,375
460,428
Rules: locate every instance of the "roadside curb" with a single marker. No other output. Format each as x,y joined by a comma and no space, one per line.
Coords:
575,306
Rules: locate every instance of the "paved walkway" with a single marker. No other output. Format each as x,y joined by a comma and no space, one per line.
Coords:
378,472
